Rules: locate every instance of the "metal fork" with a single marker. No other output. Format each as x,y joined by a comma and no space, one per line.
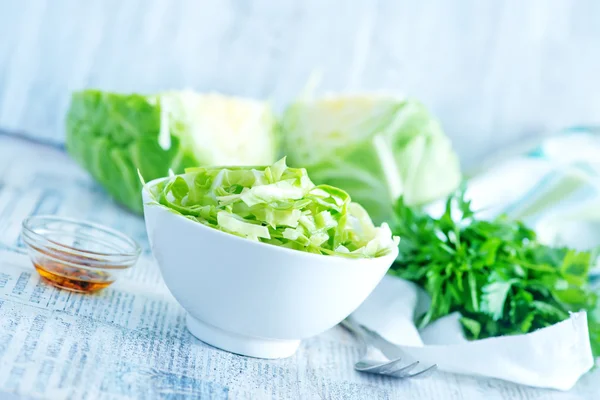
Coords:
393,367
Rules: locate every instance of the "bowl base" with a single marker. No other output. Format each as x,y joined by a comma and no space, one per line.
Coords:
240,344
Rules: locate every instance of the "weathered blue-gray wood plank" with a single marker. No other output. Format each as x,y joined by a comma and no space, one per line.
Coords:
493,71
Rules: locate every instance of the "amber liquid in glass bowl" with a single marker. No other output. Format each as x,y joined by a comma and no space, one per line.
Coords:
72,278
77,255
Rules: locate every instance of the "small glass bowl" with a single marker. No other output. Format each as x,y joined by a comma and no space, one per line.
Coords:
77,255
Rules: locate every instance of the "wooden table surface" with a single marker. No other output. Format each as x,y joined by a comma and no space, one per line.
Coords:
494,72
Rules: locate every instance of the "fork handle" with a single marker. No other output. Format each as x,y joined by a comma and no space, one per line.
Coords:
370,338
350,324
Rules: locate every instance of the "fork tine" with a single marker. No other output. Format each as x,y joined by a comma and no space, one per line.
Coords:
422,374
376,367
402,371
390,368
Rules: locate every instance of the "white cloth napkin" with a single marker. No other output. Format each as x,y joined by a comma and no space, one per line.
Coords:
553,357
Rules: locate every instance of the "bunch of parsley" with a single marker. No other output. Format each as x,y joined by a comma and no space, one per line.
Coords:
495,273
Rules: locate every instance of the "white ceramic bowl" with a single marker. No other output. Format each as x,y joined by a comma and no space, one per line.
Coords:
253,298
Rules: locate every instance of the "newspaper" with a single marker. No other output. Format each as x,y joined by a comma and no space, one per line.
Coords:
130,341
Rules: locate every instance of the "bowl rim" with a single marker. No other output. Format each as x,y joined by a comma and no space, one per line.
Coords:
146,193
105,260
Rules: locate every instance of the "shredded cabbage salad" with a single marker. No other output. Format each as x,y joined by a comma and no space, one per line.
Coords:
277,205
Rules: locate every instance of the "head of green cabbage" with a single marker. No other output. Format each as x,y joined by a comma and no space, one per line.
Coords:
114,135
377,148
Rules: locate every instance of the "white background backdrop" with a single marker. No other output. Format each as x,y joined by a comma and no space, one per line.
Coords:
494,72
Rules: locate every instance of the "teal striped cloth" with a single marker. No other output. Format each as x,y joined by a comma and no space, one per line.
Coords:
554,187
